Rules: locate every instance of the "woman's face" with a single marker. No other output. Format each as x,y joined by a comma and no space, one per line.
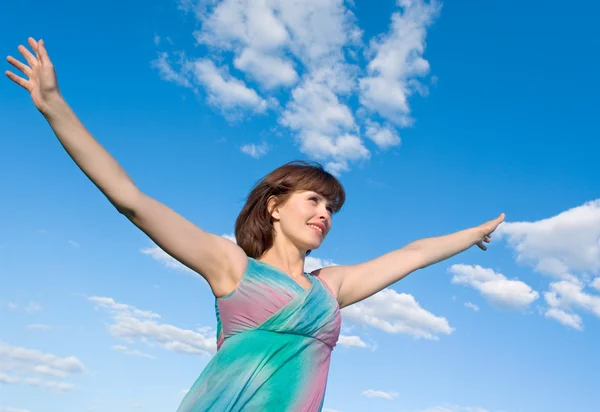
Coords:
305,219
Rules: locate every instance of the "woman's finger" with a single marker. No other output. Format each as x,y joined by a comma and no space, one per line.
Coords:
19,80
43,52
28,56
23,67
34,46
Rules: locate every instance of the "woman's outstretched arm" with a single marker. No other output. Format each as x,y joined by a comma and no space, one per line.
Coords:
357,282
217,259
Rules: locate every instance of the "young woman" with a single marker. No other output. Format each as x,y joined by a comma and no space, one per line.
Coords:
276,324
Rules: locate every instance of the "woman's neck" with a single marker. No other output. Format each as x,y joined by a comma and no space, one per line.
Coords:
285,257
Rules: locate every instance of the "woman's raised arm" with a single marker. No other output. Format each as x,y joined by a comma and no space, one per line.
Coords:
220,261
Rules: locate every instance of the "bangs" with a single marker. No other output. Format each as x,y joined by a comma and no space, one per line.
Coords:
325,184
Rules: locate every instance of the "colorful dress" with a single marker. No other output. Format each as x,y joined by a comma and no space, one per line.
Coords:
274,343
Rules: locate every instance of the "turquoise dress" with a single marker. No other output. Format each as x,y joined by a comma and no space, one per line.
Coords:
274,343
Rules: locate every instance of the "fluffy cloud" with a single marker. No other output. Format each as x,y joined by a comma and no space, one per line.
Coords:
564,297
351,342
395,312
494,286
134,325
304,54
225,91
566,248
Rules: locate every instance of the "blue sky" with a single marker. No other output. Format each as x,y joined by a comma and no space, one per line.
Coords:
435,123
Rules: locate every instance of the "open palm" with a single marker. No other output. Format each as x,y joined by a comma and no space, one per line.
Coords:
41,80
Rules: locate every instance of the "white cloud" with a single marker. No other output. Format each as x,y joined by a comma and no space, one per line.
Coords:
134,325
383,136
371,393
312,47
256,151
312,263
494,286
168,73
8,380
571,320
132,352
230,237
224,90
163,257
559,246
268,70
351,342
31,361
565,247
395,312
398,61
26,365
50,385
168,261
472,306
564,297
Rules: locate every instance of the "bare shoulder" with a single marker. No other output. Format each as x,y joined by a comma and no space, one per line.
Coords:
332,276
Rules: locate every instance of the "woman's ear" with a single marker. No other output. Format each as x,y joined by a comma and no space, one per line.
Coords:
273,207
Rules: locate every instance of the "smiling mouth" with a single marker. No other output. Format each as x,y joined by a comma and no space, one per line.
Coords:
316,229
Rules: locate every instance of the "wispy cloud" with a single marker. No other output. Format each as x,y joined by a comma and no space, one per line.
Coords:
134,325
33,367
372,393
132,352
255,150
472,306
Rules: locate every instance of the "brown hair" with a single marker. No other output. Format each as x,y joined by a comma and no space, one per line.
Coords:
254,225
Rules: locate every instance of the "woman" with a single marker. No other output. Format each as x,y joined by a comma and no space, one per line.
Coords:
276,324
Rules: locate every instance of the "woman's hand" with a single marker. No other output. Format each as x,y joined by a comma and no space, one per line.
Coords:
41,83
485,231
